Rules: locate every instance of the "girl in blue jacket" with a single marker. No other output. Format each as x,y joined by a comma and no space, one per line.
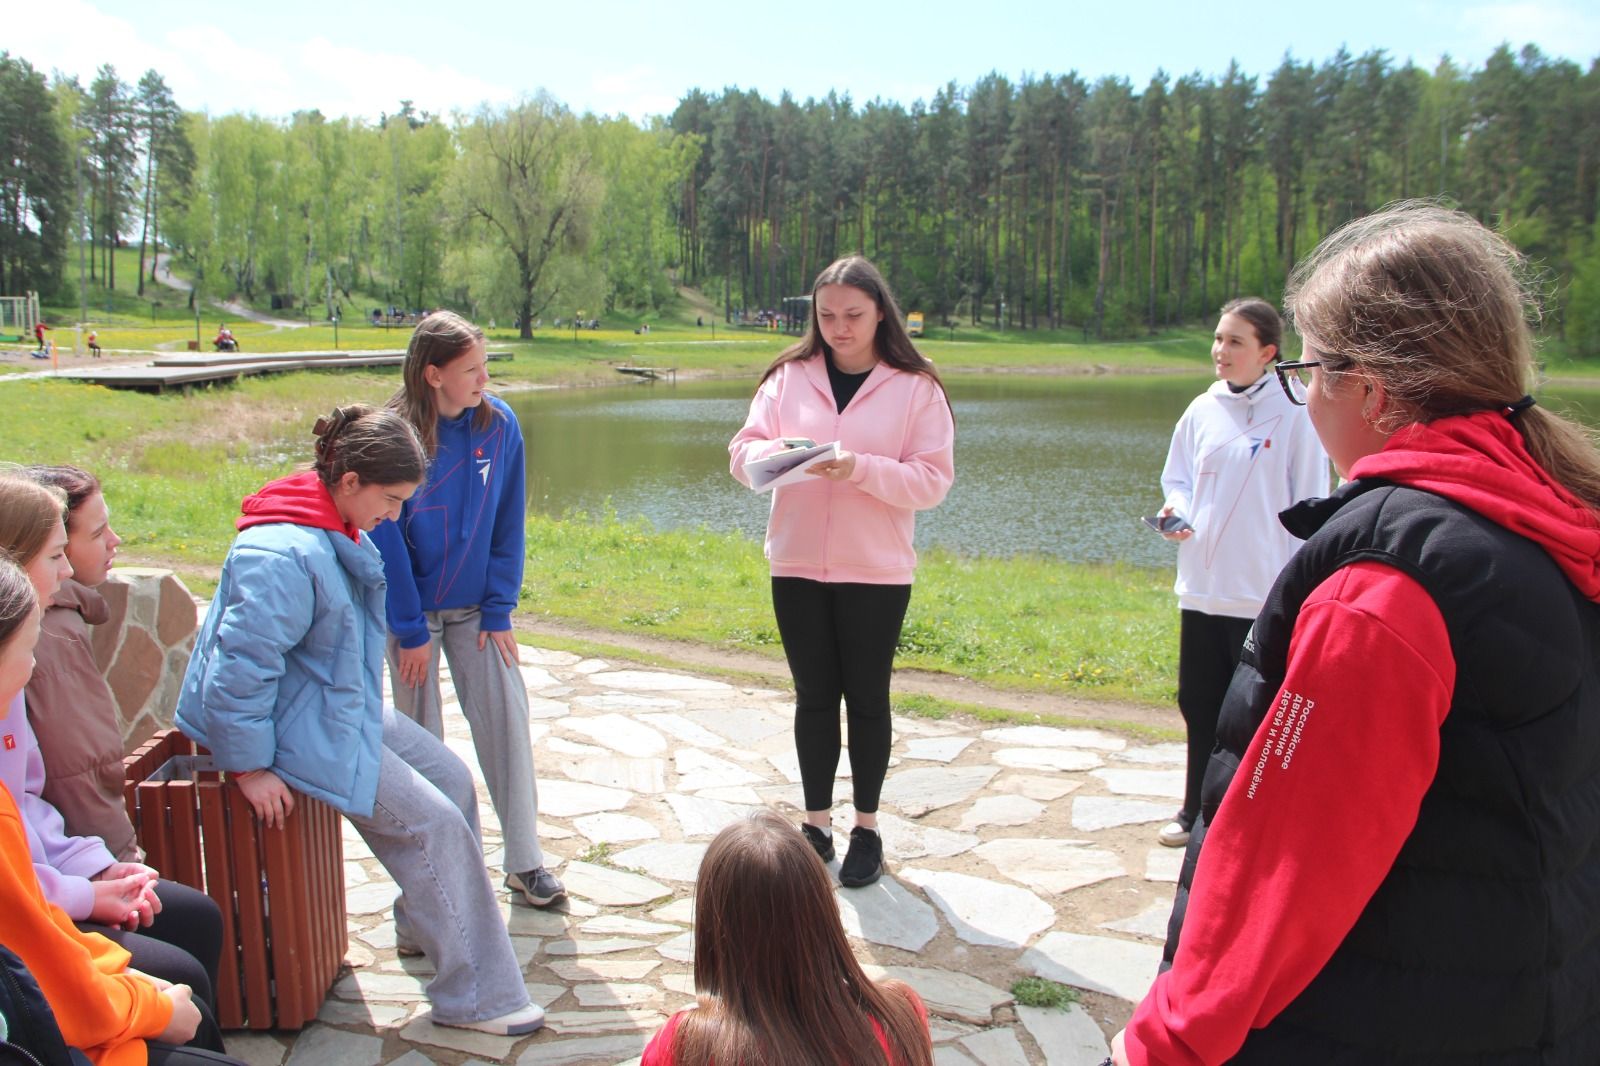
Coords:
454,561
285,687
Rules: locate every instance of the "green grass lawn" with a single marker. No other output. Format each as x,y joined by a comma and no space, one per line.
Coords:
1024,622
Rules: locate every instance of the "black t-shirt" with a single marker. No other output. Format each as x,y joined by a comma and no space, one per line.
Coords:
844,385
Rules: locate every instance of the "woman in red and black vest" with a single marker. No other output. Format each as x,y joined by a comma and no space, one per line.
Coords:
1398,859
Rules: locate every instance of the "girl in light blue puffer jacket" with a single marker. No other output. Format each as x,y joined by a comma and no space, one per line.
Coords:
285,687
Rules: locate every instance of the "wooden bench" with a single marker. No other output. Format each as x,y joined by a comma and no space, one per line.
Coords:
281,892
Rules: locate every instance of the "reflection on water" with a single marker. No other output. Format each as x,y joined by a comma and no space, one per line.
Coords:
1056,465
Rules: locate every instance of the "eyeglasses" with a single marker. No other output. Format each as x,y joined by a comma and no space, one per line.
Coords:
1296,379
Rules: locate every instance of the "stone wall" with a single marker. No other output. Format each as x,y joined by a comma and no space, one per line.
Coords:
144,647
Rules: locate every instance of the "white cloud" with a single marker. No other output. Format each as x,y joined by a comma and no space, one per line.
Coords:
359,82
75,38
1557,28
210,69
638,91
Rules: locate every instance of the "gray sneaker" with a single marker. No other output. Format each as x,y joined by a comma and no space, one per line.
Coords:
537,888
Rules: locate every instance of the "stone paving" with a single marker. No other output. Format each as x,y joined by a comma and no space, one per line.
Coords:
1013,851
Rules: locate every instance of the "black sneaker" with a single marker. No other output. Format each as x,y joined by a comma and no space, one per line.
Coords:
536,888
863,863
821,840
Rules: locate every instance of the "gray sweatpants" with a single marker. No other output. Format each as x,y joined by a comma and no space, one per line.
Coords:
424,829
495,701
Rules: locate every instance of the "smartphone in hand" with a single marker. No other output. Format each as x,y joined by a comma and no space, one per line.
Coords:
799,442
1166,523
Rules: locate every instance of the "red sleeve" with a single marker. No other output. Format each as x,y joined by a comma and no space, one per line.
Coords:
659,1051
1282,879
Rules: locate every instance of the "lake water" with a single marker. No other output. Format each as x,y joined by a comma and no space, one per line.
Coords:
1060,466
1053,465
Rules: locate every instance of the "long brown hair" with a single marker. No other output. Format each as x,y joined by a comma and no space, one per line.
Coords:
17,601
440,338
1438,309
778,983
29,513
890,343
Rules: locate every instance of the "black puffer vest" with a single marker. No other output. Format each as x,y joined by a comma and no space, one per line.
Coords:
1482,945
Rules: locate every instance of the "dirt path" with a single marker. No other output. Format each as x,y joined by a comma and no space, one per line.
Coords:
164,276
698,301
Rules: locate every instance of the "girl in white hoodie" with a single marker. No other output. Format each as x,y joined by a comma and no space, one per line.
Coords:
1241,453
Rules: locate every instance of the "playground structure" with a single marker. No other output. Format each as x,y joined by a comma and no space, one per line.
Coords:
18,316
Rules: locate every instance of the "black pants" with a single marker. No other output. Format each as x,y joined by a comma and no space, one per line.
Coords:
182,945
1209,646
840,640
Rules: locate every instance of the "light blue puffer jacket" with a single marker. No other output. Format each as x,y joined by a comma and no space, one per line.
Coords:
287,671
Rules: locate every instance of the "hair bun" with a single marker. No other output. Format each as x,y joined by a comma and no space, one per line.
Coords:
328,428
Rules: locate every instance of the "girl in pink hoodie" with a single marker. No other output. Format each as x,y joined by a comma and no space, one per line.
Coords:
839,541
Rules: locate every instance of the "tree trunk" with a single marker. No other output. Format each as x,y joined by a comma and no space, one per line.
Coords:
1105,264
149,188
1155,186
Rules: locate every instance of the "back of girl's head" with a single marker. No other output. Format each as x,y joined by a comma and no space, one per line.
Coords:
439,339
779,984
29,513
760,877
375,444
17,599
1263,318
1438,310
78,484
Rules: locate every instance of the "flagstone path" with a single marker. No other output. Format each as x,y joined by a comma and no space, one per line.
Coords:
1013,851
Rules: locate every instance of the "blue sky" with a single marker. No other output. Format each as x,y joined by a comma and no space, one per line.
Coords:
638,58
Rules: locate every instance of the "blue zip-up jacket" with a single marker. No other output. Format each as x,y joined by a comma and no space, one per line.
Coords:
287,671
459,541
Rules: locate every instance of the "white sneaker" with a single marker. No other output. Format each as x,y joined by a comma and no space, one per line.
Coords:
1173,834
516,1023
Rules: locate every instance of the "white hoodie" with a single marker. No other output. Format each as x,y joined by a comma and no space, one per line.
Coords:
1236,460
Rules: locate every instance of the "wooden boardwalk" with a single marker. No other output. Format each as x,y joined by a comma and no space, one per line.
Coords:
185,369
650,373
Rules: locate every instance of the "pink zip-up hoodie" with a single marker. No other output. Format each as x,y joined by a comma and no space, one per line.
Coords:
900,429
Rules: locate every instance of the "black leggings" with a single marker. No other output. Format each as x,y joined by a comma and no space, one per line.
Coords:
1209,646
182,945
840,639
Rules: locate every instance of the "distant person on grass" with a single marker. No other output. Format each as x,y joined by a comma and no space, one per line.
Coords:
839,542
454,559
285,687
777,981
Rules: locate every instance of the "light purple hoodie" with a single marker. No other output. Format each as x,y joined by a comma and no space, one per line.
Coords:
64,863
